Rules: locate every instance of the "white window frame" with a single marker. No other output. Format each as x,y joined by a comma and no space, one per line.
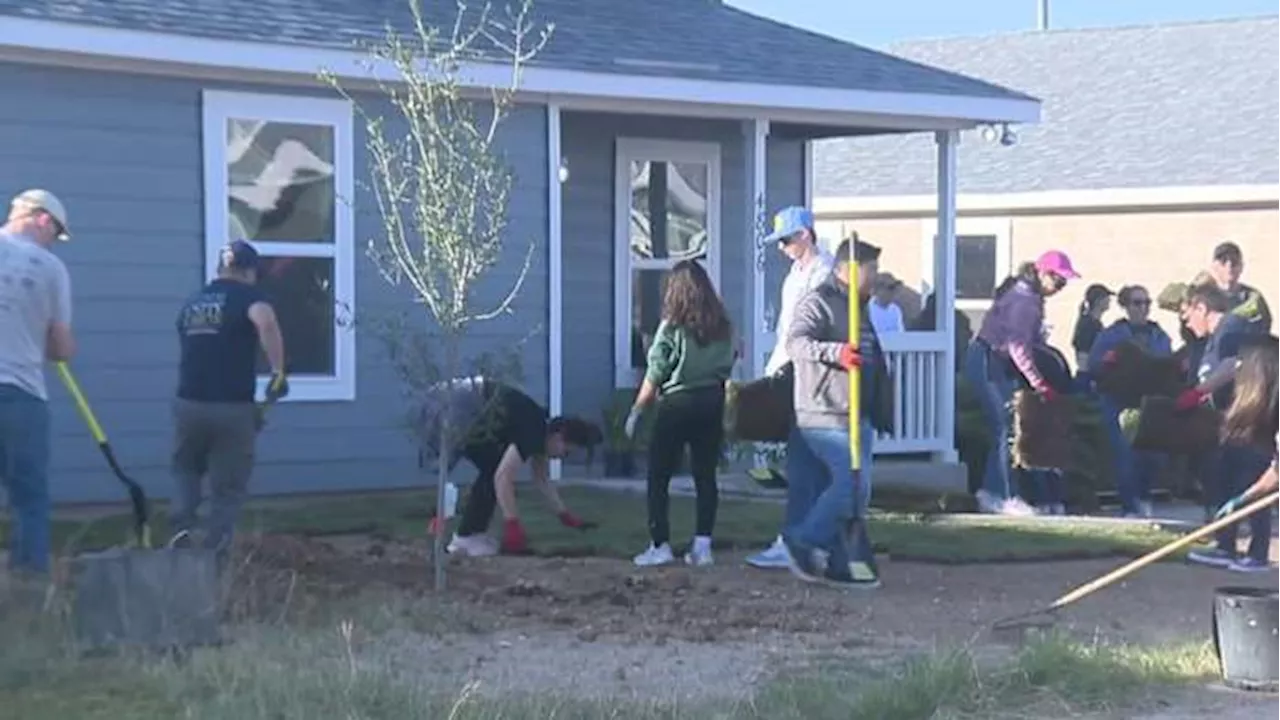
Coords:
630,150
1000,228
217,108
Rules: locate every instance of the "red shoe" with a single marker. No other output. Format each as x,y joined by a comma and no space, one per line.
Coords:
514,541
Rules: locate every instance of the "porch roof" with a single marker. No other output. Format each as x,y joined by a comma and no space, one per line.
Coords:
677,51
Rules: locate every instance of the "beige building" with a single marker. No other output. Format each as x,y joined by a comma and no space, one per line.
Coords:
1156,143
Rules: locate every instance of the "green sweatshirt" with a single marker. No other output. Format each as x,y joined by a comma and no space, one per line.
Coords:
677,362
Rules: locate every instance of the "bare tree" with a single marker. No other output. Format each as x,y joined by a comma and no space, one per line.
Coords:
442,185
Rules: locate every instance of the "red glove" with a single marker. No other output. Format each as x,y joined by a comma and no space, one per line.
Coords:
1189,399
570,520
1047,394
514,541
850,358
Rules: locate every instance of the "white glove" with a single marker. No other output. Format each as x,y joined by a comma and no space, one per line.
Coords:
630,427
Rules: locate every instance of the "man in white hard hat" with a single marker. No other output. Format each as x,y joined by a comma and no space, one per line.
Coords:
35,327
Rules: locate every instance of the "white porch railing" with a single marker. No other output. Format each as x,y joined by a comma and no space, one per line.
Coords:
917,362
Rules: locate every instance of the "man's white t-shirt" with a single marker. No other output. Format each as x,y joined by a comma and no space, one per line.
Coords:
35,290
799,281
886,318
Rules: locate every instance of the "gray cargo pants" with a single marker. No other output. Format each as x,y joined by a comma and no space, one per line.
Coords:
215,440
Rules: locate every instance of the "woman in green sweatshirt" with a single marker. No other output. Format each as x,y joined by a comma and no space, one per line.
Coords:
689,361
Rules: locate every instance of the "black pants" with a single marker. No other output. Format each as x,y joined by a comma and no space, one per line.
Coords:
693,419
1238,467
483,498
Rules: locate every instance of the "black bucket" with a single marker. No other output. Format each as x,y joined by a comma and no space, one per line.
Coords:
1245,636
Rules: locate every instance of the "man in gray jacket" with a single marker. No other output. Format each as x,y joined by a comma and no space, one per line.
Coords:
818,458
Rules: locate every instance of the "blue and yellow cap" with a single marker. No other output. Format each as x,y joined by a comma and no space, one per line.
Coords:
788,222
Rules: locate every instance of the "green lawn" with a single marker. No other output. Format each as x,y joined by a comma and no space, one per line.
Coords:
742,524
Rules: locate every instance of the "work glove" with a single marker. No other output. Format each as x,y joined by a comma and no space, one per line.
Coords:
633,419
1047,394
1229,507
277,387
1189,399
514,540
850,358
570,520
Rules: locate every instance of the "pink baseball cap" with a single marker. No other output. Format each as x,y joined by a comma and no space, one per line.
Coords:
1056,262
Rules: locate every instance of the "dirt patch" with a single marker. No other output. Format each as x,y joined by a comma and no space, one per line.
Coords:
591,598
1217,702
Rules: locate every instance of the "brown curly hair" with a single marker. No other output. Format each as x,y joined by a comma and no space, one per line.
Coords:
691,302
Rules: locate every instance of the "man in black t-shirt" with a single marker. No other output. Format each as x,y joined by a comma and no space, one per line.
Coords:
501,429
215,418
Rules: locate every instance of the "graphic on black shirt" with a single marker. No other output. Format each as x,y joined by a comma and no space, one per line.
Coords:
219,344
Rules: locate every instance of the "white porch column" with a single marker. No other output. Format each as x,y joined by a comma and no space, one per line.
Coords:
555,273
808,174
757,223
944,287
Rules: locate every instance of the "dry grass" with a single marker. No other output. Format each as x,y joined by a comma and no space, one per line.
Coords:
338,666
303,650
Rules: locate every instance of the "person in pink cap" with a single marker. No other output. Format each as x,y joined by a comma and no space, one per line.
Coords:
1000,356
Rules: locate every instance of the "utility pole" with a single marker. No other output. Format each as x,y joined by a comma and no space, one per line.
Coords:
1042,15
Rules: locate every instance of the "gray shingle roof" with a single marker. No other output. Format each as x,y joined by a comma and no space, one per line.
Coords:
702,39
1163,105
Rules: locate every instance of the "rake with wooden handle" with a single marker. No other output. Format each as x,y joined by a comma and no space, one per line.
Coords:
1045,616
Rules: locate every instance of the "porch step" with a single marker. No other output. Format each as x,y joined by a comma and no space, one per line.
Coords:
925,476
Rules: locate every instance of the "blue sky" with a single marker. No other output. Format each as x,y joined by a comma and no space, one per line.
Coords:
879,22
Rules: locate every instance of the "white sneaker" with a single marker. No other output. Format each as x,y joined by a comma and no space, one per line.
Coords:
660,555
1016,507
988,503
699,554
772,557
481,545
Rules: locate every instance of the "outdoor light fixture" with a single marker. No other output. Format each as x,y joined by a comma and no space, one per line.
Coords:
1001,133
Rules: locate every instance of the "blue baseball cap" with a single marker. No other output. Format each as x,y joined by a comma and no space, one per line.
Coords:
240,255
788,222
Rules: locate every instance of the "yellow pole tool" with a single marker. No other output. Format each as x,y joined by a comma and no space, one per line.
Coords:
137,497
862,564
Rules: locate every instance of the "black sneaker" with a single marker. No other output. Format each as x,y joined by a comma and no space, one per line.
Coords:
801,561
854,576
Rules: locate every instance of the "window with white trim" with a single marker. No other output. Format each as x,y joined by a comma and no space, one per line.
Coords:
666,209
983,258
278,172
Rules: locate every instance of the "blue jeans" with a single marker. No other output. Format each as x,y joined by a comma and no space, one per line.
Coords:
1238,467
1134,469
821,499
1049,486
24,468
994,389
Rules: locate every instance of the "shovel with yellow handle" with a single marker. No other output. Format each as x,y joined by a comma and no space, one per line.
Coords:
137,496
